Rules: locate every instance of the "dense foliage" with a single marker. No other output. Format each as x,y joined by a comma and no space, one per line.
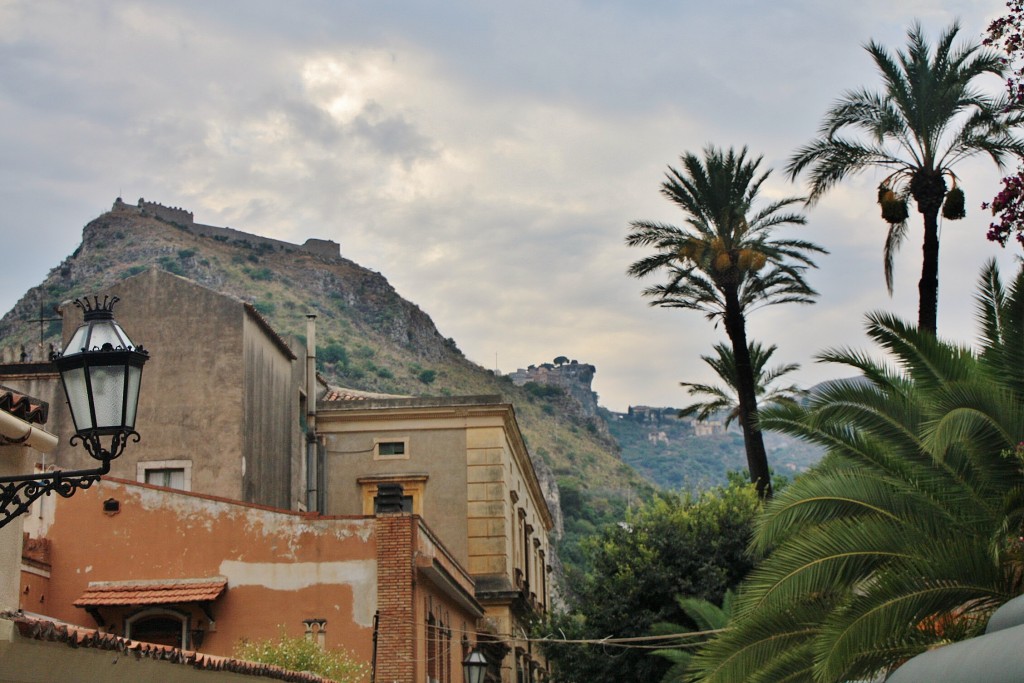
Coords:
708,618
908,534
726,262
673,546
928,116
297,653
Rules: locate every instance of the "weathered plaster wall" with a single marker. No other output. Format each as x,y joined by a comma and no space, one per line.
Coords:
281,567
191,404
270,411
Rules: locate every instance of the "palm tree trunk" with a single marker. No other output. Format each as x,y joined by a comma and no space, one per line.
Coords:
928,286
753,441
928,189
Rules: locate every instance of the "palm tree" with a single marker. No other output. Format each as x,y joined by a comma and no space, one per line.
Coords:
723,399
927,117
725,263
707,616
908,534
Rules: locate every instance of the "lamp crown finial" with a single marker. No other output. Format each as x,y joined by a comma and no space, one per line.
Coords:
95,309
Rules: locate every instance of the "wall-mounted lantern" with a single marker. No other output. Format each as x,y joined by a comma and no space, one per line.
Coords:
474,667
101,371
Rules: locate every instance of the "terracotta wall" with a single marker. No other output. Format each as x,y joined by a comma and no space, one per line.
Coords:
281,567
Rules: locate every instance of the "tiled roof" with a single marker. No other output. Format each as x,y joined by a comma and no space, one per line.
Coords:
151,592
25,407
79,637
343,394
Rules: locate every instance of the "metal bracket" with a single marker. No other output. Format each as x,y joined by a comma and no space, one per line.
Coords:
18,492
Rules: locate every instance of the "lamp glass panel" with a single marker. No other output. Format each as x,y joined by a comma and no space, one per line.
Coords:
134,380
78,398
108,394
106,332
77,341
475,667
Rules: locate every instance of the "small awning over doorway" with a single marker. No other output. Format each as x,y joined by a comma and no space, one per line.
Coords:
158,592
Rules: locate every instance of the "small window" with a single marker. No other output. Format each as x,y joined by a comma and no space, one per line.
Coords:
172,474
171,478
391,449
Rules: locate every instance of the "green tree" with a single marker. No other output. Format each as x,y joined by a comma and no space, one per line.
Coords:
718,399
928,116
332,353
673,546
909,532
726,263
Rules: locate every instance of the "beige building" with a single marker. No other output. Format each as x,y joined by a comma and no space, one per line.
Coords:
223,412
462,465
219,411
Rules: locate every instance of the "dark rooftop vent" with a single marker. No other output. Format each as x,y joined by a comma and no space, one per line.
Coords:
389,498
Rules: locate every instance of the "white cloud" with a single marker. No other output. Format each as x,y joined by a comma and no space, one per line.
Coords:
487,159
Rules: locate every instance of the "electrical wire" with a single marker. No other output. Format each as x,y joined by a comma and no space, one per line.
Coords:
652,642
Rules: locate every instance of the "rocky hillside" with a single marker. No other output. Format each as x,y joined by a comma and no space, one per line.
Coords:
368,337
685,454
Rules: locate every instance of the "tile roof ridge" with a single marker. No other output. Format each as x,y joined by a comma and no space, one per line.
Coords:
349,394
28,408
47,630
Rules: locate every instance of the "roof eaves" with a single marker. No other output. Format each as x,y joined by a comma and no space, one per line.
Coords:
262,323
80,637
27,408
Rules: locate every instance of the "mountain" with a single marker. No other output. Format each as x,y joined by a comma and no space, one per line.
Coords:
684,454
672,453
369,338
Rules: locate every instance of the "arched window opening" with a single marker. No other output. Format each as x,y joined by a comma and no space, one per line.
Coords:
160,627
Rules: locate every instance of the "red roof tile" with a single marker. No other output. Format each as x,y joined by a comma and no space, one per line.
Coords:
343,394
25,407
151,592
77,636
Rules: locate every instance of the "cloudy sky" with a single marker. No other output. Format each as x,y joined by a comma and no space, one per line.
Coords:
487,158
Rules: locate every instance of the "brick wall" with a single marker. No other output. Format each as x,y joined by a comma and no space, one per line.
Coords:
396,641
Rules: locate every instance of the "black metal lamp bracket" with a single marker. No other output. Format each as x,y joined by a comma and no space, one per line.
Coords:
18,492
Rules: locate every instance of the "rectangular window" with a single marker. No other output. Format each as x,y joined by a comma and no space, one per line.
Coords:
171,478
173,474
391,449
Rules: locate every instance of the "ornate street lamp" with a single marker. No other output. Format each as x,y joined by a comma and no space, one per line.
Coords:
474,667
101,371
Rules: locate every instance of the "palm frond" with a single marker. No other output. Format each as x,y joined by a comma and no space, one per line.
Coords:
893,241
926,117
